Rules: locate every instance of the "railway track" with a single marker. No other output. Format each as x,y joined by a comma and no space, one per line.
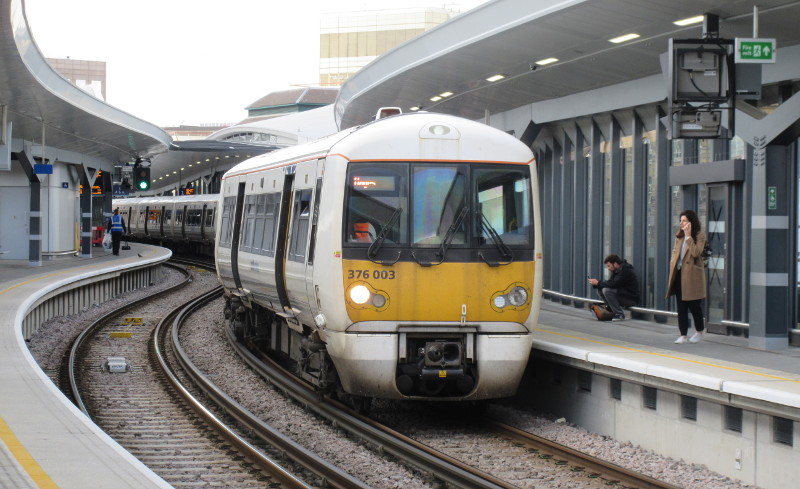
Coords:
139,424
149,411
448,469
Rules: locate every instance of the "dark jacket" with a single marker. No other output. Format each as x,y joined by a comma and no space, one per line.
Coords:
624,280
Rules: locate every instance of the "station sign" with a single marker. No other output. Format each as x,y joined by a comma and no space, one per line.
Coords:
754,50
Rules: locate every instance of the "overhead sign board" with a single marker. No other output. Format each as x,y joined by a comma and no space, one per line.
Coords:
754,50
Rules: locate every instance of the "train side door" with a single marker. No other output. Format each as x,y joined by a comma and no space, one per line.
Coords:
302,227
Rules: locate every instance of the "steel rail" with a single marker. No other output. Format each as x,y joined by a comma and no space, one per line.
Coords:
87,333
608,470
441,466
332,476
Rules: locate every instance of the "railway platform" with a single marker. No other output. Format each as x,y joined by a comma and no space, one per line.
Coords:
45,441
717,402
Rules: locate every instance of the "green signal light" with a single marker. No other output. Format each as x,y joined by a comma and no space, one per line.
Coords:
143,185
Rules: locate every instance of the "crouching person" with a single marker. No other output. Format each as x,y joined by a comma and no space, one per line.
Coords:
621,289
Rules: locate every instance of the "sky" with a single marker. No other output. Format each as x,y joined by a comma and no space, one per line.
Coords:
173,62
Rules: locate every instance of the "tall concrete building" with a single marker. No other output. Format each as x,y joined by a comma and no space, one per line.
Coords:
348,41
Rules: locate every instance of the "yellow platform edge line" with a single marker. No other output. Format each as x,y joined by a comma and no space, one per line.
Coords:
34,470
696,362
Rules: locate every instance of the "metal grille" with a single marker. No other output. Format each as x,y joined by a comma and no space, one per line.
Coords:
616,389
650,397
783,431
733,419
585,380
689,407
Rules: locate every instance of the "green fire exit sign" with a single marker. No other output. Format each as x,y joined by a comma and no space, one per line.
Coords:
755,50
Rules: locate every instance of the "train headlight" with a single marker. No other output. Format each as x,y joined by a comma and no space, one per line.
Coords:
518,296
514,297
360,294
378,300
364,296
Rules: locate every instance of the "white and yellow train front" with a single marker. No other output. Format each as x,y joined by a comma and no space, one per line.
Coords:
425,258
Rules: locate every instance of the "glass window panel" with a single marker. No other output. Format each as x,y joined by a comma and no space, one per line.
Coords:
504,199
375,194
439,196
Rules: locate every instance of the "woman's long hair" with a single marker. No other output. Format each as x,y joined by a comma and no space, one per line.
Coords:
693,220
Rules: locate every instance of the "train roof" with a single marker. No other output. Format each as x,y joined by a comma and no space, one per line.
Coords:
480,141
197,198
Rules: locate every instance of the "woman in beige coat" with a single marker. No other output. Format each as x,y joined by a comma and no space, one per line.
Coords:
687,276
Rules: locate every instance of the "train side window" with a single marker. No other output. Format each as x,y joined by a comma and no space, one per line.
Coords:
260,219
271,208
228,206
301,220
168,217
179,217
193,217
209,218
314,220
249,223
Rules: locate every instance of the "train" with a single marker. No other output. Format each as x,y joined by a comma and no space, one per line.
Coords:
185,223
400,259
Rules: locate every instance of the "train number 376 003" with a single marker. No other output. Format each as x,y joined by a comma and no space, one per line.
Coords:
371,274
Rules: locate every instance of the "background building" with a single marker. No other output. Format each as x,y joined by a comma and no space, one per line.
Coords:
350,40
88,75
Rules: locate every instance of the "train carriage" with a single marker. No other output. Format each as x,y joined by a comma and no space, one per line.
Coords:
184,223
400,259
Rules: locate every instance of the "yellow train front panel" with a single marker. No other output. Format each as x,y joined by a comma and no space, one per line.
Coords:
449,292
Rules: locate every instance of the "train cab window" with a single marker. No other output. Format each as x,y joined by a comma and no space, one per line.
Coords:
439,195
504,205
377,198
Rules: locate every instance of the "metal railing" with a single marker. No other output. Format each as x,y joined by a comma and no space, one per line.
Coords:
656,313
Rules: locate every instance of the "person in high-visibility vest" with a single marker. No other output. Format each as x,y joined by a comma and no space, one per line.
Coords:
117,225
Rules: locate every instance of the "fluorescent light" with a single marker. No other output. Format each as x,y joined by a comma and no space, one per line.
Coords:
546,61
436,98
445,94
414,108
495,78
690,20
626,37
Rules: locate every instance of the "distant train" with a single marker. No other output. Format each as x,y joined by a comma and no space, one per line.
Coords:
400,259
184,224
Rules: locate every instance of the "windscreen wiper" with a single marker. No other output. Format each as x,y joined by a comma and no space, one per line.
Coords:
376,245
448,238
505,251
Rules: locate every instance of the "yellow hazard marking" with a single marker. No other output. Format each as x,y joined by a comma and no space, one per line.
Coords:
442,374
120,334
24,458
132,321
